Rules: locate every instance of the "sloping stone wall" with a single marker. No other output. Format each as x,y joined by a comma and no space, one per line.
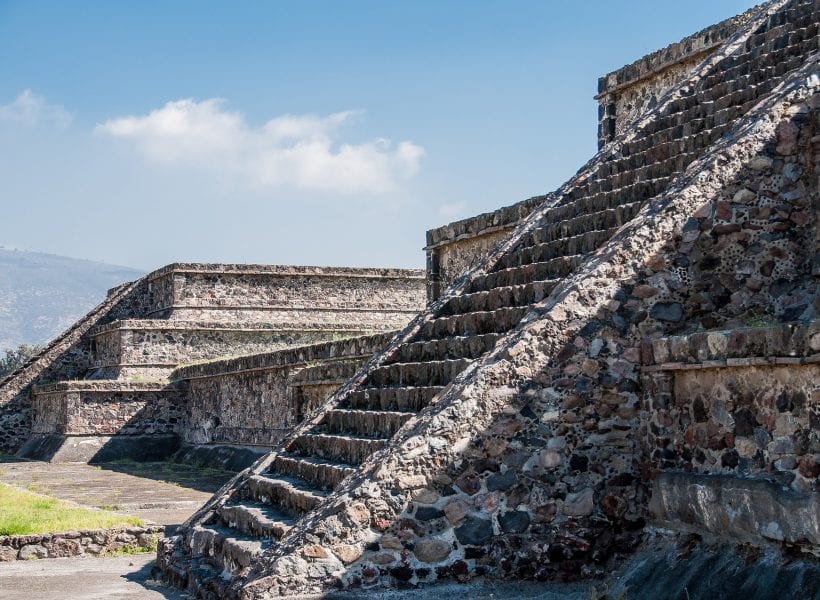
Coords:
68,356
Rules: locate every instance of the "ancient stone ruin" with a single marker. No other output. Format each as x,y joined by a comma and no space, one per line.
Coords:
115,385
621,374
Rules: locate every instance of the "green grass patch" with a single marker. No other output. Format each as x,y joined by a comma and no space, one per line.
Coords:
24,513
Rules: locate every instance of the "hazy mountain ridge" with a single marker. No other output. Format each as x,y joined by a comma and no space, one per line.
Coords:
43,294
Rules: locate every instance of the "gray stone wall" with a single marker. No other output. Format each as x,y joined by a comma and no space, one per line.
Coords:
102,408
273,293
257,400
125,348
743,402
95,542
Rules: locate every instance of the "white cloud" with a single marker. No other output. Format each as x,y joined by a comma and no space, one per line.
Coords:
30,108
296,150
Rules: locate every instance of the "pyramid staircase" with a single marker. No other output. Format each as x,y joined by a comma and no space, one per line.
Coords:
217,549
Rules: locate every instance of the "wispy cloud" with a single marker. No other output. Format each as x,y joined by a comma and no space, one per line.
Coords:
31,108
452,210
297,150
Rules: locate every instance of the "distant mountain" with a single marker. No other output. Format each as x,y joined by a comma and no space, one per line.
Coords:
43,294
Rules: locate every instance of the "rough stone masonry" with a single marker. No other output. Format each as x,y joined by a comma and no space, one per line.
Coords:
528,424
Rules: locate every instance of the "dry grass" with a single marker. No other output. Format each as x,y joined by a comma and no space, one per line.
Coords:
24,513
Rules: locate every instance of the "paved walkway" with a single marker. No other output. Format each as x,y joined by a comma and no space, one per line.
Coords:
126,577
164,493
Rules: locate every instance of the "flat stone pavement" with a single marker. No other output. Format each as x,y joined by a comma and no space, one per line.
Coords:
126,577
164,493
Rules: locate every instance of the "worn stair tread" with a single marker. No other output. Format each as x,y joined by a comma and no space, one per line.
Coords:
285,480
408,399
403,374
256,518
454,347
556,268
344,448
315,460
284,491
225,547
374,424
554,229
512,296
321,472
534,252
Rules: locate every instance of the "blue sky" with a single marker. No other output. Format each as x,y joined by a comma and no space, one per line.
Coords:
330,133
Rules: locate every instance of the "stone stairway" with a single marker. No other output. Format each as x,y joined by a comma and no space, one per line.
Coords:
463,329
216,550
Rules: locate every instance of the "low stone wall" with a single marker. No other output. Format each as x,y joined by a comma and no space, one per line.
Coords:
743,402
452,249
95,542
257,400
107,408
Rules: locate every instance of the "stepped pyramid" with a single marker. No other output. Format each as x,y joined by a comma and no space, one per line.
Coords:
101,390
509,430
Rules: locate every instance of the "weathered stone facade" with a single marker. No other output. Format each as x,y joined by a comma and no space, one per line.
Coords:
507,431
257,400
185,313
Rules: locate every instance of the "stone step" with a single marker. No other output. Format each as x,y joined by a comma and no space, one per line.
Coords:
256,519
375,424
338,448
434,372
225,548
405,399
557,268
500,297
450,348
568,246
611,218
316,472
500,320
290,494
599,195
